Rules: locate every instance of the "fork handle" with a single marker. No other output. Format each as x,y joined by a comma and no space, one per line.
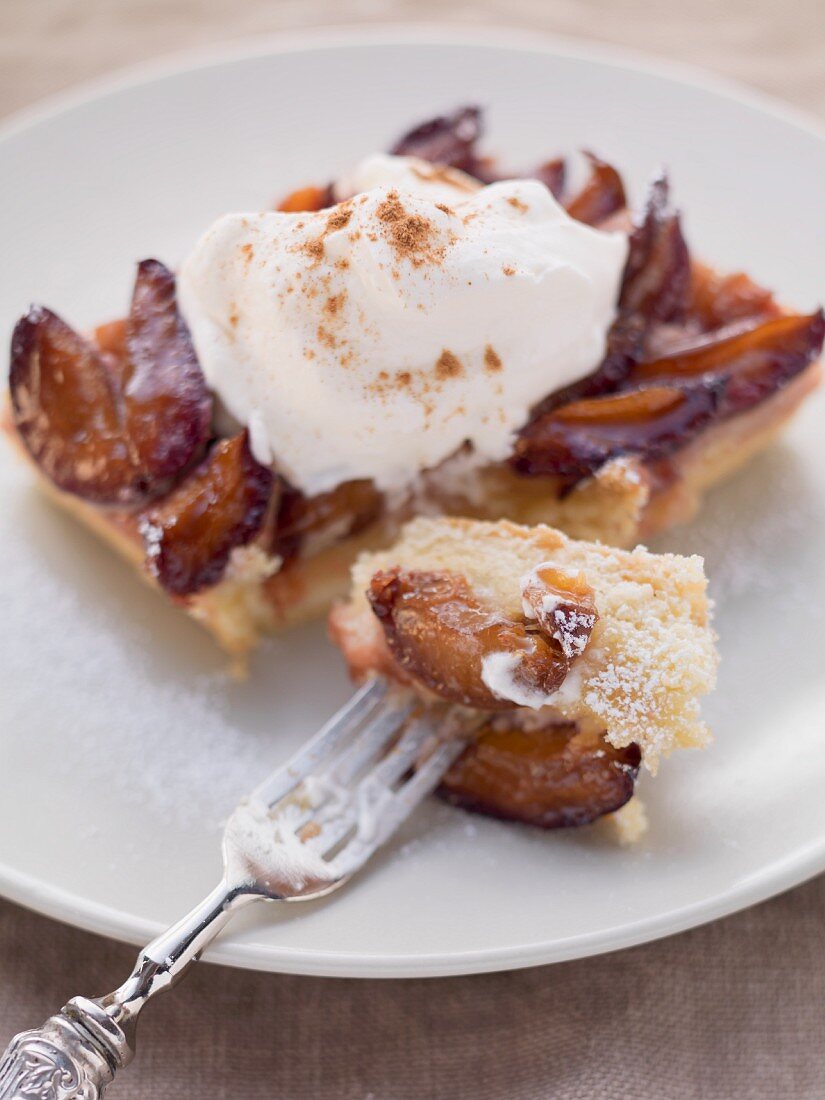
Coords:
75,1054
64,1058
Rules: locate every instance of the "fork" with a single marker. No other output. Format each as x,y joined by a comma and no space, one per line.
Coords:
300,835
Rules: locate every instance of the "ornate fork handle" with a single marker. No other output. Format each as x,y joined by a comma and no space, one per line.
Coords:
62,1059
76,1053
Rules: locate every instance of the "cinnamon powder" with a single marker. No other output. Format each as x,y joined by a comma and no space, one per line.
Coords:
409,234
339,218
448,365
334,303
492,360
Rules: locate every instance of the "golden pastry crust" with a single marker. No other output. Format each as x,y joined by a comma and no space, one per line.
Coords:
651,655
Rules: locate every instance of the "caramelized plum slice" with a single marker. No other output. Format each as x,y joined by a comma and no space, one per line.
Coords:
563,605
222,504
111,339
439,633
552,777
307,200
602,195
118,422
655,288
168,404
67,409
575,440
452,140
552,174
656,283
719,300
754,363
625,341
329,517
448,139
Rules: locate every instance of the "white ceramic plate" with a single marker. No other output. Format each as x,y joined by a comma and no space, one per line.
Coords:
122,744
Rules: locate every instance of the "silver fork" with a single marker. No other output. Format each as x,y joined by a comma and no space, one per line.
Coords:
300,835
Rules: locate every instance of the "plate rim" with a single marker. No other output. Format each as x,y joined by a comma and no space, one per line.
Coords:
772,879
334,37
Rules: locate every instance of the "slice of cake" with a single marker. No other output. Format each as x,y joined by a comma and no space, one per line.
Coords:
577,662
429,335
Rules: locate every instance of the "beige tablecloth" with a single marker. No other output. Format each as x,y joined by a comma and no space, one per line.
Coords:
732,1010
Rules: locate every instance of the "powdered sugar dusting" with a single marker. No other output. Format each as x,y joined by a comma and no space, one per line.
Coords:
573,632
171,747
151,533
138,699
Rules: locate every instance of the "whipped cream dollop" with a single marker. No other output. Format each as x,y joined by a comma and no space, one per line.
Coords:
409,175
373,339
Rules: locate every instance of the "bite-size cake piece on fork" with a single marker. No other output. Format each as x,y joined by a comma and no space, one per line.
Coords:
576,662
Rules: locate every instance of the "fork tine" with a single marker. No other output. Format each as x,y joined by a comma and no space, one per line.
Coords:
429,774
344,768
323,745
394,807
333,832
336,824
400,805
407,797
370,742
402,756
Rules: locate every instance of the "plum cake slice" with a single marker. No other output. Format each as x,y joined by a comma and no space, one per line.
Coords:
577,662
130,430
